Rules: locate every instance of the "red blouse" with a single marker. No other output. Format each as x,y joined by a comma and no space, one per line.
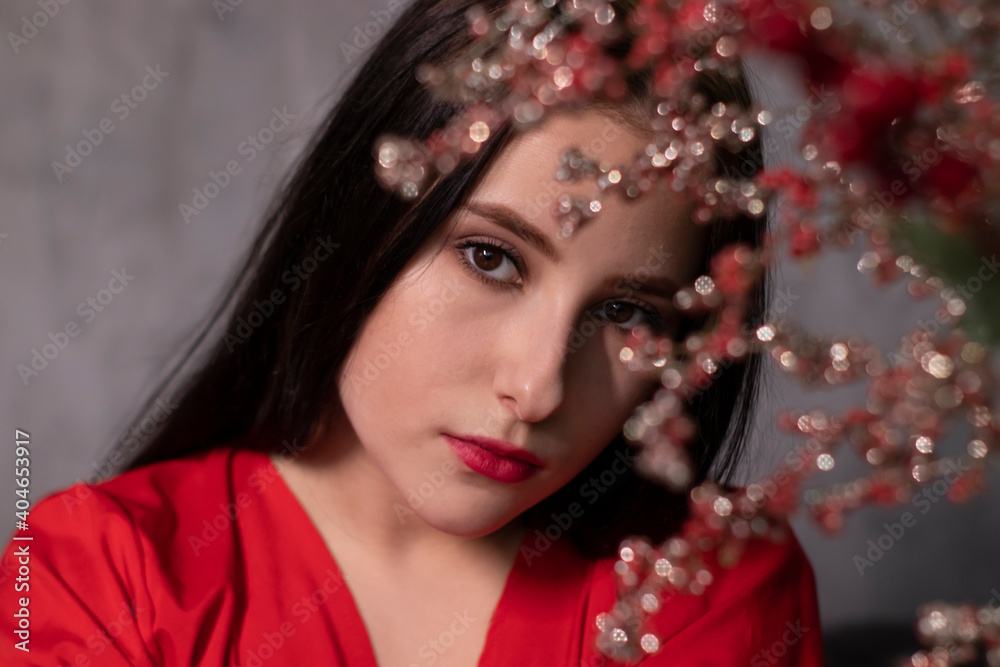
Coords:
211,560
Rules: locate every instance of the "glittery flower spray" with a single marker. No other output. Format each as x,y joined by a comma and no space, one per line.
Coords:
900,163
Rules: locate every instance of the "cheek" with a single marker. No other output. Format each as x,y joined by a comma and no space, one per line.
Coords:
446,327
602,419
604,396
413,342
607,387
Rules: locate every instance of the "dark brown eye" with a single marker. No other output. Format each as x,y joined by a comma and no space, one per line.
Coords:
489,261
619,312
486,258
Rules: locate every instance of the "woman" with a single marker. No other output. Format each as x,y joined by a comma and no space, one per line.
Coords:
405,446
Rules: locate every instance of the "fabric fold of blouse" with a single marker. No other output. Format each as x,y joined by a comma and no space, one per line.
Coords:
211,560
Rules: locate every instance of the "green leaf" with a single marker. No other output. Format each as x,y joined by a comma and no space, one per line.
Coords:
959,262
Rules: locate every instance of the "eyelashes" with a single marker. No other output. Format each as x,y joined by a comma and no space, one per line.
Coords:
509,255
505,252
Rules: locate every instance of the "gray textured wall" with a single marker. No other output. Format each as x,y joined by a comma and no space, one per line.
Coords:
63,235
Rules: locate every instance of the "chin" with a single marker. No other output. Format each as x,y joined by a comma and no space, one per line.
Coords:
465,519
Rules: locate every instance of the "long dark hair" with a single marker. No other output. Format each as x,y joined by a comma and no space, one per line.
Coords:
267,377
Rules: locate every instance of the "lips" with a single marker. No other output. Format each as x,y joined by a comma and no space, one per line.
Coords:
495,459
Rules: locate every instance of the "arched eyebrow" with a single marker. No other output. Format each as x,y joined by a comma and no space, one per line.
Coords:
661,286
504,216
507,218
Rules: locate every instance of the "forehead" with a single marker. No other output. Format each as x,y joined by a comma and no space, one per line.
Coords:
523,177
599,134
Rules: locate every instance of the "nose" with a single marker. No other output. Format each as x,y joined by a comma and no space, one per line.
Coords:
531,361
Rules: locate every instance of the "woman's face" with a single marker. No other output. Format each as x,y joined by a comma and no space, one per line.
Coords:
495,330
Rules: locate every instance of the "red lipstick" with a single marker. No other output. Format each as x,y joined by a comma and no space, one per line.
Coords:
495,459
